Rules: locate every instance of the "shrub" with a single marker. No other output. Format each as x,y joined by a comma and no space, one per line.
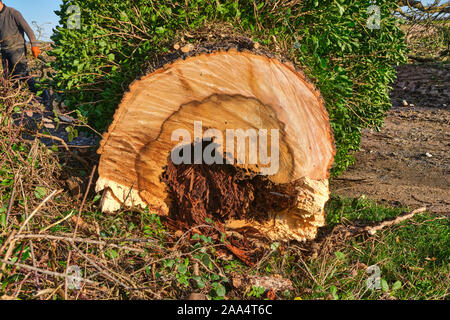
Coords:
351,64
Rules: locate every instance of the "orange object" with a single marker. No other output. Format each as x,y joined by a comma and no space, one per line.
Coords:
36,51
271,295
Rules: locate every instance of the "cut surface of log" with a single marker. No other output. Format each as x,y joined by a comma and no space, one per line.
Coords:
222,98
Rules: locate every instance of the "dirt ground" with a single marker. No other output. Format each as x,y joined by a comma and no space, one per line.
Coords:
408,162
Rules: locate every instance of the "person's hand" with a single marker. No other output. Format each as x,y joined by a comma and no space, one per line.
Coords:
36,51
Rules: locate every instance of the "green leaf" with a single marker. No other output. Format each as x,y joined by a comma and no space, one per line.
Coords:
274,246
169,263
40,192
200,283
339,255
182,269
397,285
384,285
220,290
333,291
341,9
195,237
96,198
3,220
113,254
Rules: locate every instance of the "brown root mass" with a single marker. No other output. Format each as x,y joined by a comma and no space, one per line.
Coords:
220,192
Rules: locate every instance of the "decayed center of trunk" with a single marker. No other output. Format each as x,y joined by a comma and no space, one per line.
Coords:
222,192
233,97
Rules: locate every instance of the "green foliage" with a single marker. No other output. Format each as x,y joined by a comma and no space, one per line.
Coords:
256,292
208,279
350,64
40,192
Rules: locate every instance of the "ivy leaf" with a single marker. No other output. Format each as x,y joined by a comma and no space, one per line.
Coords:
200,283
113,254
341,9
96,198
182,269
3,220
40,192
384,285
397,285
220,290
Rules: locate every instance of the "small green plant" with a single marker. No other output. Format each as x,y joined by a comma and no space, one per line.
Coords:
219,291
256,292
182,272
333,291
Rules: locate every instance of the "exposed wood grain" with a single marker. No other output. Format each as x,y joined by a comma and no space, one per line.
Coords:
224,90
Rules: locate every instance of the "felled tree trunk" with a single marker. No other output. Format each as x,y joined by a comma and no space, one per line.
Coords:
188,109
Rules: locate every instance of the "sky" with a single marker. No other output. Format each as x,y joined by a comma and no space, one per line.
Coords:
41,11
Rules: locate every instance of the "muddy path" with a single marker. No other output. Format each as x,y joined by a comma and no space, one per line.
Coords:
408,162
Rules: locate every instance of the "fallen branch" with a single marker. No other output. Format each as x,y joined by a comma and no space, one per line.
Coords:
11,200
8,254
373,230
30,242
50,273
57,222
54,193
84,200
75,240
102,269
342,233
351,179
432,8
8,240
78,222
73,154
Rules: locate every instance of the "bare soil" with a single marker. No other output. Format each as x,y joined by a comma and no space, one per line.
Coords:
407,163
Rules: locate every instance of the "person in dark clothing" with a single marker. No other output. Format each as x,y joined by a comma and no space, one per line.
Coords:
12,45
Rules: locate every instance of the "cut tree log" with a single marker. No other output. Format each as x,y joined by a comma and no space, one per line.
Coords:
206,98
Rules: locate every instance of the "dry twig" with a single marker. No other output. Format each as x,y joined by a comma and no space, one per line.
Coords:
374,229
